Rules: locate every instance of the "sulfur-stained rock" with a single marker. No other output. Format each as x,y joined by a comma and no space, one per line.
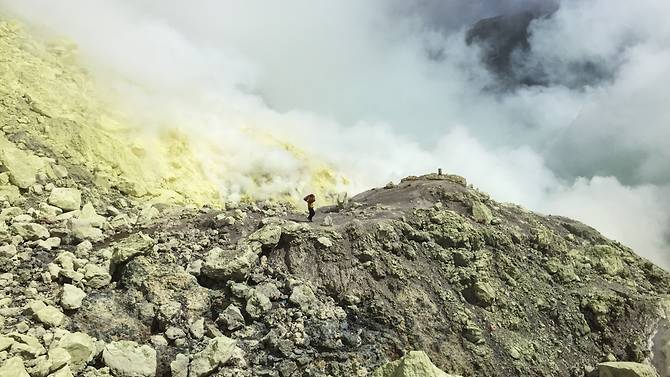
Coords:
481,213
13,367
67,199
62,372
72,297
268,236
257,304
179,366
21,165
49,315
303,297
96,276
31,231
10,193
227,265
215,354
626,369
81,347
128,359
90,216
414,364
131,247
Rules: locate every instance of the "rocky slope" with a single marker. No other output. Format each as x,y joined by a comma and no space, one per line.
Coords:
104,273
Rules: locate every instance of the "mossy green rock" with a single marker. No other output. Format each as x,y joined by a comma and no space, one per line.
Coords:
215,354
414,364
626,369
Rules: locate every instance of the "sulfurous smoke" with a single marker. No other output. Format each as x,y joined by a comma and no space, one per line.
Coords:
571,119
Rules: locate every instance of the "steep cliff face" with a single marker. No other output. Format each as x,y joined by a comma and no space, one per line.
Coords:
117,258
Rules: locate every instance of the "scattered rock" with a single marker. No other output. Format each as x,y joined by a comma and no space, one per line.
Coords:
67,199
31,231
257,304
215,354
81,348
414,364
231,318
131,247
72,297
481,213
49,315
227,265
179,366
303,297
128,359
268,236
197,328
13,368
325,242
626,369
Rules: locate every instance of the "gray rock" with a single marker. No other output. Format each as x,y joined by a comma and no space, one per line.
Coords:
173,333
481,213
303,297
128,359
231,318
227,265
257,304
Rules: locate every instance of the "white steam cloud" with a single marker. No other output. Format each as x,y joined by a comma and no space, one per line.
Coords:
385,89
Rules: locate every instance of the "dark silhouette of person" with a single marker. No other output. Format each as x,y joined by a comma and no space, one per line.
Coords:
310,199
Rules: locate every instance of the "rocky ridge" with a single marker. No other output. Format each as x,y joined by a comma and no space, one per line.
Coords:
112,287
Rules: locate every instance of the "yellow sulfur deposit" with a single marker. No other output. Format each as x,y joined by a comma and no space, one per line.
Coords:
51,105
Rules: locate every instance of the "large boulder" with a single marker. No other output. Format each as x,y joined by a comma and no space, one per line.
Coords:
481,213
67,199
224,265
128,359
81,347
10,193
13,368
30,231
626,369
414,364
214,355
49,315
268,236
257,304
72,297
131,247
22,166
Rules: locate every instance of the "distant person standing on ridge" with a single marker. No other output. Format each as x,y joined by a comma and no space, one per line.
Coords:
310,199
